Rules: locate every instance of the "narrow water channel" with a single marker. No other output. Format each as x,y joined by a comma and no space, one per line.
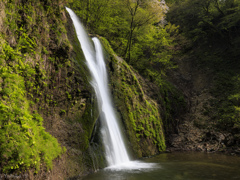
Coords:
178,166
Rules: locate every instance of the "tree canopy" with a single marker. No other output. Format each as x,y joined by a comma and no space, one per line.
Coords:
135,28
208,19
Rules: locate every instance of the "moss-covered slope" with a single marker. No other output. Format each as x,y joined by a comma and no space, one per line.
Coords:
44,90
139,113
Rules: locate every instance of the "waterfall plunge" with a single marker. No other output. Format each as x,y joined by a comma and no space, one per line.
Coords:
116,152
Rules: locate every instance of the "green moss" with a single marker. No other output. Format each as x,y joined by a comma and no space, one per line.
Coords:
24,50
107,46
139,113
23,141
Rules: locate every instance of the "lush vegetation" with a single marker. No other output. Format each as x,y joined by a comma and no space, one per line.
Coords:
136,30
44,90
208,20
24,142
24,46
212,30
139,113
38,78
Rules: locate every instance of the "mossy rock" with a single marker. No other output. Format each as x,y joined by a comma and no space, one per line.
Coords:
138,112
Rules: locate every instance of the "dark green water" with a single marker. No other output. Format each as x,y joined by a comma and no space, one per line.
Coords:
178,166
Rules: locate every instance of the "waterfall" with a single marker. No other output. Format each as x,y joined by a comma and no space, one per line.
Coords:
115,149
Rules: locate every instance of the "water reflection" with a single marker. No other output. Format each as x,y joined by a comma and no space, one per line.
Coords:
178,166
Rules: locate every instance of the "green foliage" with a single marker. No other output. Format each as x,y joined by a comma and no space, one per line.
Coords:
207,20
23,141
135,30
226,106
25,43
213,27
24,46
157,48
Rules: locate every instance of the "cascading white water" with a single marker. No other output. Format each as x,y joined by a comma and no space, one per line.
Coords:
116,152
